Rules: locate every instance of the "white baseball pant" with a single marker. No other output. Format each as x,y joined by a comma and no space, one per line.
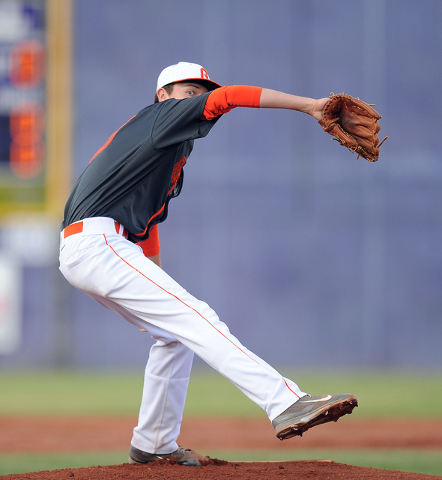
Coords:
105,265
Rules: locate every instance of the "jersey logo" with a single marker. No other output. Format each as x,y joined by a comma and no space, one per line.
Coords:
204,74
323,399
176,173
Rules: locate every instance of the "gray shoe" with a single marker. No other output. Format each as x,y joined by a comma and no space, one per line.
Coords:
310,411
182,456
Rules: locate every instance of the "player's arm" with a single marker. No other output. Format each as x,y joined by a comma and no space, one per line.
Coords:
151,247
223,99
156,259
274,99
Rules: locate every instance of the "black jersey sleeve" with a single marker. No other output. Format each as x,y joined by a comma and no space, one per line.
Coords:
181,120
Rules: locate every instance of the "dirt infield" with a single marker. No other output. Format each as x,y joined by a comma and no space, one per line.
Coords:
312,470
89,434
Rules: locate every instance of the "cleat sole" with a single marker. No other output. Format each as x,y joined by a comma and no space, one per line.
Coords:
330,413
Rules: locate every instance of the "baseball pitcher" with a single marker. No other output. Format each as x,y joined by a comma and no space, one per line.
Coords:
110,250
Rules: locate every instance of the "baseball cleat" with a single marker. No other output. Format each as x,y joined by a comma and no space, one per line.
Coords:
182,456
310,411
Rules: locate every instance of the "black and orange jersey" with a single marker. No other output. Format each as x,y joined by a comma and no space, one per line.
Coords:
140,168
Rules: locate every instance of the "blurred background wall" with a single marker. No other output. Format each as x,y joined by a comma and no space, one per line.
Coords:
312,257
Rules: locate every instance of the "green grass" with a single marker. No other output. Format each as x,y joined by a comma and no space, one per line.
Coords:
381,395
70,393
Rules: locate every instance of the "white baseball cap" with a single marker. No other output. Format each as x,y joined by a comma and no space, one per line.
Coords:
183,71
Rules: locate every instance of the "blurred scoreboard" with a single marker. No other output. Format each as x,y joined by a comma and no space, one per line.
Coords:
23,79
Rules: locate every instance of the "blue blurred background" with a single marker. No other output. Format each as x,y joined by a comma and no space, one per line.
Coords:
312,257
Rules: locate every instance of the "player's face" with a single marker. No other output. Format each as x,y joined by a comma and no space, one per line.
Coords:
184,90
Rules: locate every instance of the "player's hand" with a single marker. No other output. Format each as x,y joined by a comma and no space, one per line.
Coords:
317,107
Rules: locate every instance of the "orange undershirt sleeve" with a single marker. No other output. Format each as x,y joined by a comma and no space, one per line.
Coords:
222,100
151,246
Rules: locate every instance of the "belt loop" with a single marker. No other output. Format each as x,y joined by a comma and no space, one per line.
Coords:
124,233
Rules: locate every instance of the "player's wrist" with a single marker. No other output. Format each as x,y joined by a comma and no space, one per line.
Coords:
317,106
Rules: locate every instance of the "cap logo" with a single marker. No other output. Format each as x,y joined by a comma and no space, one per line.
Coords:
204,74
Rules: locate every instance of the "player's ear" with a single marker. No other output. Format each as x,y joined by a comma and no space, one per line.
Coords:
162,95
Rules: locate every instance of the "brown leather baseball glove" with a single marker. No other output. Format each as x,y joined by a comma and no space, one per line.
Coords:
354,124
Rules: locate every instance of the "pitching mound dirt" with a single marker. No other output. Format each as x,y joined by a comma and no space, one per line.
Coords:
312,470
